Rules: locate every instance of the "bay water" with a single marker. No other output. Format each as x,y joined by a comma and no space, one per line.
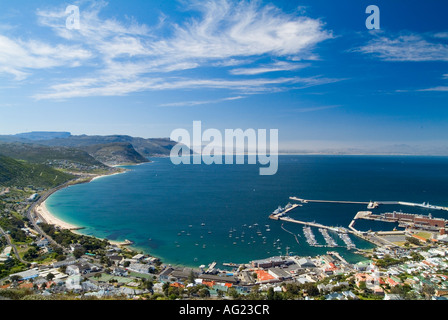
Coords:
196,214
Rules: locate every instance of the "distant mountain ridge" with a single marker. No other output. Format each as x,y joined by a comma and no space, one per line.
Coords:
146,147
115,153
109,150
42,135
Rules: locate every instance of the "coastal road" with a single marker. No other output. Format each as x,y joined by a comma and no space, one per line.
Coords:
12,245
32,217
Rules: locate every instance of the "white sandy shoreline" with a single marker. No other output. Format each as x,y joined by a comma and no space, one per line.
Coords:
49,218
106,175
45,215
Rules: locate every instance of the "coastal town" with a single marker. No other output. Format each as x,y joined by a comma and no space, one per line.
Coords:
41,260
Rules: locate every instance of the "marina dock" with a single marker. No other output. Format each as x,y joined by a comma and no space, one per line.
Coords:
309,224
374,204
327,201
434,223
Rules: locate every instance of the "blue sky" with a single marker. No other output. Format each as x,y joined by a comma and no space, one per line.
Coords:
310,69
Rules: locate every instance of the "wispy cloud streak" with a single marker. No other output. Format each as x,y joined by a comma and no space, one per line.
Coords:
406,48
119,57
198,103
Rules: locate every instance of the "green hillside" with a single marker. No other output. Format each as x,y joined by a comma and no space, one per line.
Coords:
21,174
68,159
115,153
43,154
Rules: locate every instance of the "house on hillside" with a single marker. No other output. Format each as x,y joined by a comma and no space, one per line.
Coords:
42,243
81,269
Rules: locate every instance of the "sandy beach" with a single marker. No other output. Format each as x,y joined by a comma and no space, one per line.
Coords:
106,175
47,217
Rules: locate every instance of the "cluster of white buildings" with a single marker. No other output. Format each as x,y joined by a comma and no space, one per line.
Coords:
89,276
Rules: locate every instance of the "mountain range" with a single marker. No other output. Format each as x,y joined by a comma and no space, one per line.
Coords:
37,158
105,150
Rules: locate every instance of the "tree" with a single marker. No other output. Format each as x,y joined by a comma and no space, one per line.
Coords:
270,294
311,289
204,293
165,288
78,252
413,240
255,293
233,293
50,276
147,284
31,254
191,277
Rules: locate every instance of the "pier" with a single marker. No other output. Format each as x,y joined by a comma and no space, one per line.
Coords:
231,264
336,254
211,267
328,239
425,222
309,224
310,237
374,204
327,201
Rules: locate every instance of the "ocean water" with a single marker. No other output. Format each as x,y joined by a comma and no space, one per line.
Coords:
196,214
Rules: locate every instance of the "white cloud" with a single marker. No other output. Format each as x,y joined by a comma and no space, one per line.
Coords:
125,56
443,35
229,29
439,88
312,109
278,66
411,47
197,103
117,87
18,57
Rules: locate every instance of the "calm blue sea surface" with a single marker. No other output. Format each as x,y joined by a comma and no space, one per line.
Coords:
197,214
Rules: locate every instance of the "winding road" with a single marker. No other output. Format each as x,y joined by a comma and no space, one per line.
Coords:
12,245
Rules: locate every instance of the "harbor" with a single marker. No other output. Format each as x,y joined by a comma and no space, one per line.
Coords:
280,214
405,220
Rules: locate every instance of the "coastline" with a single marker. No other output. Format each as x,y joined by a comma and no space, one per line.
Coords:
126,243
106,175
78,230
46,216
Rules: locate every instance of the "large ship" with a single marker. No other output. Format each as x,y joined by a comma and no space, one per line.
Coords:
278,210
372,205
